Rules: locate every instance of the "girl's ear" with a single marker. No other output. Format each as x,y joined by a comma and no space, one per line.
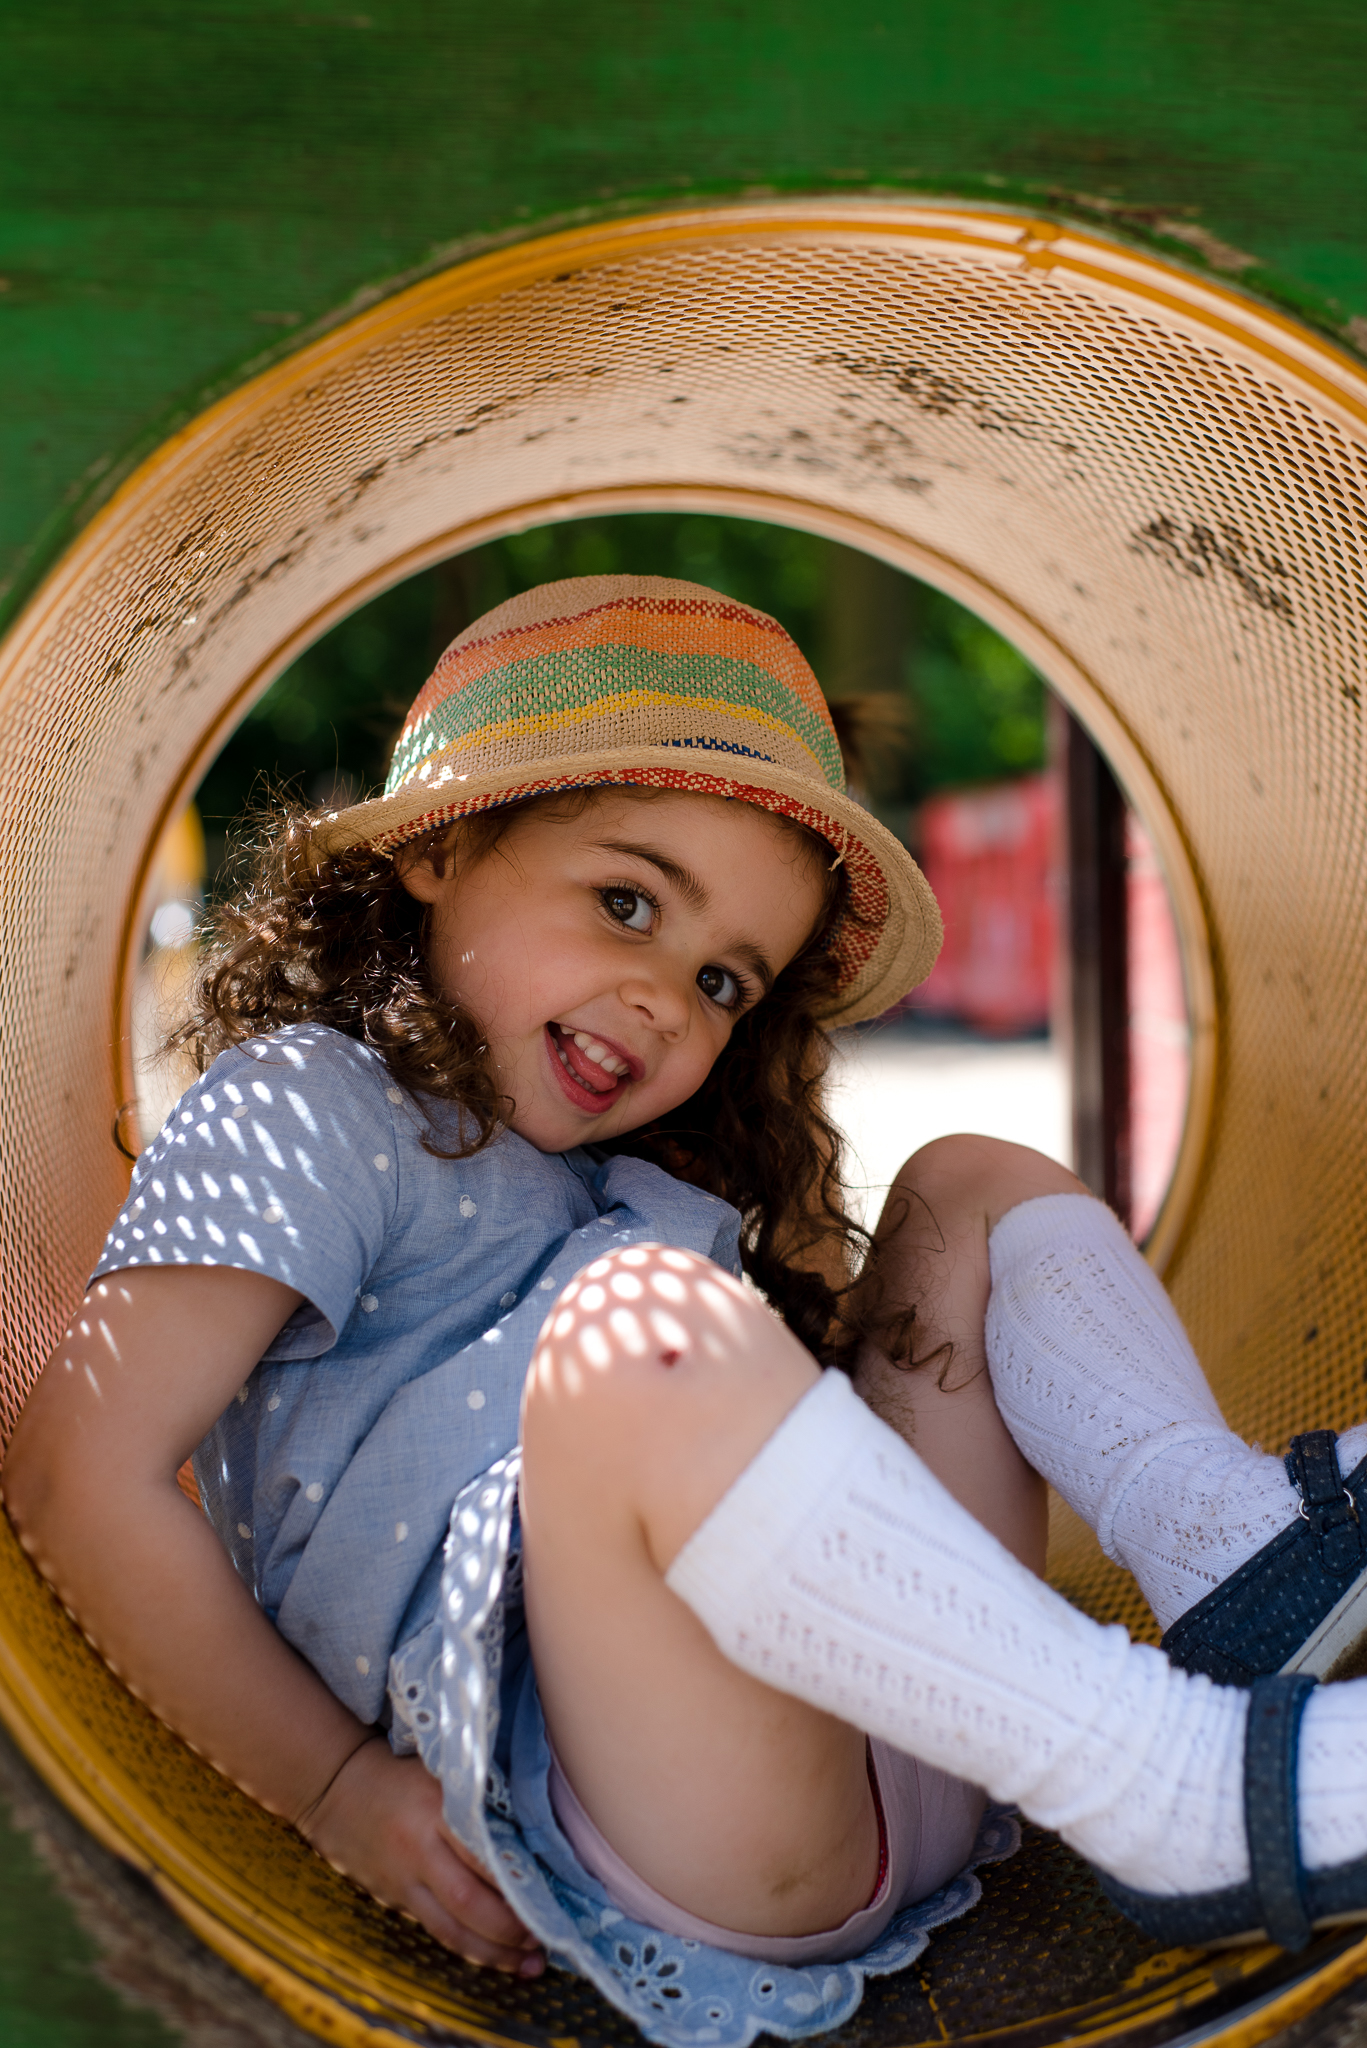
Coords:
427,866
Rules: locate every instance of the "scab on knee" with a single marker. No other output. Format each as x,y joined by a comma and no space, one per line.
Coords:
647,1306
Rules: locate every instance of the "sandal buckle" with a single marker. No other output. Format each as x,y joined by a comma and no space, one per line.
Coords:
1312,1466
1304,1511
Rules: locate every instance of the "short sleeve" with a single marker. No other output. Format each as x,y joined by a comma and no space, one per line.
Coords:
283,1160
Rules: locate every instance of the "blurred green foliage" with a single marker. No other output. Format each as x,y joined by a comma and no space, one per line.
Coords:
979,704
971,707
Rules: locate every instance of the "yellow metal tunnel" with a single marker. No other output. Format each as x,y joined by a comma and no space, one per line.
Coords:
1152,484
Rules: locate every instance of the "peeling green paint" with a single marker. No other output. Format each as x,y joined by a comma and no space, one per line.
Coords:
186,192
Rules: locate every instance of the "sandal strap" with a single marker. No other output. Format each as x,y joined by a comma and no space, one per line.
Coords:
1271,1750
1312,1466
1259,1618
1279,1896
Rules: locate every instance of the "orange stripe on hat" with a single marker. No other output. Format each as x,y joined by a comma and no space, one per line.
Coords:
659,626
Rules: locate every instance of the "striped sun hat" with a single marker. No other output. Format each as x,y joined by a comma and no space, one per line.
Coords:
640,679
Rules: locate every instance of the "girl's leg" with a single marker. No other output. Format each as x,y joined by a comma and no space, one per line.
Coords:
712,1787
656,1382
932,1252
833,1567
673,1427
1015,1266
1099,1385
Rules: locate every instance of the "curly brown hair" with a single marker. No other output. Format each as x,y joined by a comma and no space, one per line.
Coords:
339,941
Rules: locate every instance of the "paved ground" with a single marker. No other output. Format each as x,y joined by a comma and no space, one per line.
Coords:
898,1087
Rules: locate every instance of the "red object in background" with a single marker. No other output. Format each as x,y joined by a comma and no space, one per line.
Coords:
990,856
1160,1038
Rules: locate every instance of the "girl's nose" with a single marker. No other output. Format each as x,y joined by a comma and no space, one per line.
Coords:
663,999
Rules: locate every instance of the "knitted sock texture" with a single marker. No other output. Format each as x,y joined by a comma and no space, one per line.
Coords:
1097,1382
839,1570
1333,1775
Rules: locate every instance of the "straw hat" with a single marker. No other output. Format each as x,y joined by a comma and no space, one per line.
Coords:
666,685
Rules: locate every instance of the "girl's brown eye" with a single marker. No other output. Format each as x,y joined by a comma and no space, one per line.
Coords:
719,987
630,908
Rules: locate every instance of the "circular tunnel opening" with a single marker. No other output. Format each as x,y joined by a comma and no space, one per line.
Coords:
1152,488
953,739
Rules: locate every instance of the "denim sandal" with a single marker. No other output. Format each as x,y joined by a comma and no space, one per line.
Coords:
1281,1899
1300,1604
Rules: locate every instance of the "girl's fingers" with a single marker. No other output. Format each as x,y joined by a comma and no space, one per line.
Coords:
460,1889
501,1923
382,1823
455,1934
467,1856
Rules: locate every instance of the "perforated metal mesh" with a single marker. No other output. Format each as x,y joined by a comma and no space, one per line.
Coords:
1161,485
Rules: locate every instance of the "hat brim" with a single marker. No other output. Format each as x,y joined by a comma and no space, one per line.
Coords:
886,943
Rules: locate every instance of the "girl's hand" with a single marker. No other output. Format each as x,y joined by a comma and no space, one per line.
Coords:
379,1822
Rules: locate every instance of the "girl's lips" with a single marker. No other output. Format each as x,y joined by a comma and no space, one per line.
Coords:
568,1065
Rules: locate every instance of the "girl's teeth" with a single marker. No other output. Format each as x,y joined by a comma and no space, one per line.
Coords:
599,1054
591,1050
563,1058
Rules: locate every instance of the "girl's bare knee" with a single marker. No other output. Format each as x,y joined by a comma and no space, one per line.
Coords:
633,1321
648,1305
982,1174
653,1364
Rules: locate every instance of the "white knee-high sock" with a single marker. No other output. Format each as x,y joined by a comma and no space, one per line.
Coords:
839,1570
1097,1382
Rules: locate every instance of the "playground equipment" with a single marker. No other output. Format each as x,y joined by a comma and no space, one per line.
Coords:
1153,484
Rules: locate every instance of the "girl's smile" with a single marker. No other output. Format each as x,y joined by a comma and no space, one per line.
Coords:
593,1071
608,954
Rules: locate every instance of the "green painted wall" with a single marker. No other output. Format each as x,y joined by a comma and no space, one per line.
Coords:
185,189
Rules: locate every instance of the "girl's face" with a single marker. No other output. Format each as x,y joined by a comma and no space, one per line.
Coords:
607,957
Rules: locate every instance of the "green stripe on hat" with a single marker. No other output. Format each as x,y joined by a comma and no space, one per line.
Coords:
525,707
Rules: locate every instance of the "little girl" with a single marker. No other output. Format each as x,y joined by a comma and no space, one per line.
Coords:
546,1582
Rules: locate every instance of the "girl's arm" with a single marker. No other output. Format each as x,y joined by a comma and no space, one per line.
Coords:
152,1358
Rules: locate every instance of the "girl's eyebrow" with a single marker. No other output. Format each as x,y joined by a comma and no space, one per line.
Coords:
696,894
690,886
755,961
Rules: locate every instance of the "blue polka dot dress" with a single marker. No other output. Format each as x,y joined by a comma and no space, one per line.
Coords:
364,1479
